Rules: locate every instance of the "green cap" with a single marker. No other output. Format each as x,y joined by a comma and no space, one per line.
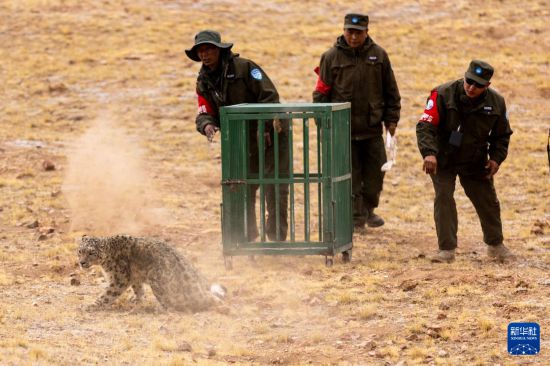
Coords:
356,21
206,36
479,71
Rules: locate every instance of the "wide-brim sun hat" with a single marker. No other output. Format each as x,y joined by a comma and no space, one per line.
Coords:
206,37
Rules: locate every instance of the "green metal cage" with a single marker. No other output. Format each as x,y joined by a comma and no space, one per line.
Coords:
318,177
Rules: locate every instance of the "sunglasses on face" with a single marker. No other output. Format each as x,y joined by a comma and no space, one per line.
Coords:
474,83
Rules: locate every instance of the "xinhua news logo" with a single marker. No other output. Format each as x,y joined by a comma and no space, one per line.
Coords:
523,339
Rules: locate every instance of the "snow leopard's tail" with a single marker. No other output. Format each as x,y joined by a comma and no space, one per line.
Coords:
218,290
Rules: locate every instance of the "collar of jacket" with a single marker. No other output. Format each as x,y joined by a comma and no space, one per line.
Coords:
341,44
217,92
468,103
226,60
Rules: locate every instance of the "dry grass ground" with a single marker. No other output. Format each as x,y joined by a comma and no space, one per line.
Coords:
69,66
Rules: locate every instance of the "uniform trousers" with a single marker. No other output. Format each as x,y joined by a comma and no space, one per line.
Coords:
270,189
367,157
482,194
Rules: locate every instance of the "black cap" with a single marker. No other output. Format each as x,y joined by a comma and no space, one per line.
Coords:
356,21
480,72
206,36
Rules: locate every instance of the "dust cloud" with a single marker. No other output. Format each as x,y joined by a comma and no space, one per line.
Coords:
107,186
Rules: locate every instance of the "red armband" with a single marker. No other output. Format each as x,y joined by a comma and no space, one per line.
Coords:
204,106
321,86
431,114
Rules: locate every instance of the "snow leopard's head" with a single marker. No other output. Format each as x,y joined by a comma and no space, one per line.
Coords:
89,251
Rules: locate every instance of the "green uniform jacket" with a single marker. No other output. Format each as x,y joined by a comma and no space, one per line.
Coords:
242,81
484,126
365,78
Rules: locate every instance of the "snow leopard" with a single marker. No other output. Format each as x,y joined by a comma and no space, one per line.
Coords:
133,261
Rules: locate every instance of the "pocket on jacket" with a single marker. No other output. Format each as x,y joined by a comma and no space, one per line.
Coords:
374,71
343,81
376,113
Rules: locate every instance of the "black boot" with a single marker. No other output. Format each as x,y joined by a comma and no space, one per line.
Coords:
373,219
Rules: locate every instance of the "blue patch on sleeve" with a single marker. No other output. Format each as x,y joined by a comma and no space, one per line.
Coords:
256,74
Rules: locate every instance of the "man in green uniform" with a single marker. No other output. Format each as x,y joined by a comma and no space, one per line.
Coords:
465,131
359,71
227,79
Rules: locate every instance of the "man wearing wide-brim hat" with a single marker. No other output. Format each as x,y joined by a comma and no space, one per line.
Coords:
464,131
226,79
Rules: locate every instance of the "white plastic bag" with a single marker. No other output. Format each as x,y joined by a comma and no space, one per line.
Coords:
391,147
